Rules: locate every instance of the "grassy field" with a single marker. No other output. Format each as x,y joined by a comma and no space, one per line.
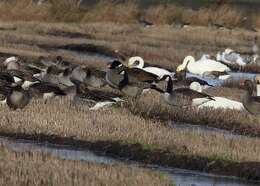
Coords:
116,131
127,12
26,168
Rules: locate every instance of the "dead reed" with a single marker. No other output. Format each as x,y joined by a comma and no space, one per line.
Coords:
34,168
123,12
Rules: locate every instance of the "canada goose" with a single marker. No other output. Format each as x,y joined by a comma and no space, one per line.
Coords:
250,102
180,78
202,66
5,90
218,102
6,79
183,96
91,77
25,79
134,74
45,90
18,98
90,99
61,63
95,78
117,77
138,62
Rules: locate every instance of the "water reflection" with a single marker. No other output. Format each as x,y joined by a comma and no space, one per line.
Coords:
179,176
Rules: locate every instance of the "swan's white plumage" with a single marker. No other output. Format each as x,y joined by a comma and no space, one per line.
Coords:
138,62
10,59
100,105
222,103
229,56
218,102
201,66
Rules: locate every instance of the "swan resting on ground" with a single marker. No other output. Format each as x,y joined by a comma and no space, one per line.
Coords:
202,66
229,56
138,62
218,102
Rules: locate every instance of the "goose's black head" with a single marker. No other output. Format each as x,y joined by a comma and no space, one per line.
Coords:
59,59
114,64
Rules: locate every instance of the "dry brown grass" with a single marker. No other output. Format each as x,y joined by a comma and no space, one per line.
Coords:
159,45
24,168
162,46
118,124
112,11
240,122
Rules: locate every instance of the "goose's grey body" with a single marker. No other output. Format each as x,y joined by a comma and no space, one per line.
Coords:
45,90
18,98
251,103
184,96
117,77
87,99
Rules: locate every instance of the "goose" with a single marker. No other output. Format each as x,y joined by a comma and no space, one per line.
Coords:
95,78
218,102
250,102
91,99
133,74
91,77
45,90
180,78
62,63
6,79
117,77
138,62
18,98
5,90
201,66
22,78
183,96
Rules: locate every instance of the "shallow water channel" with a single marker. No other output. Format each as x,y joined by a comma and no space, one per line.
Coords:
179,176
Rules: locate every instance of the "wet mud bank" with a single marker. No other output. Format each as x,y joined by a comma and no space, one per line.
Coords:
149,155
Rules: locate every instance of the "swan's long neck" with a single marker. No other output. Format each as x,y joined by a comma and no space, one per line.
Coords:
141,64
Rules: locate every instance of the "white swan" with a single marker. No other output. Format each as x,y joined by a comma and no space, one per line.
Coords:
202,66
229,56
218,102
10,59
138,62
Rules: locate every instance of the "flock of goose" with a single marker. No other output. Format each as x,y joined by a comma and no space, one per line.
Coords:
20,82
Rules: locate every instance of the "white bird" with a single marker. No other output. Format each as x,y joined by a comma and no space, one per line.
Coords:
229,56
202,66
218,102
11,59
138,62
